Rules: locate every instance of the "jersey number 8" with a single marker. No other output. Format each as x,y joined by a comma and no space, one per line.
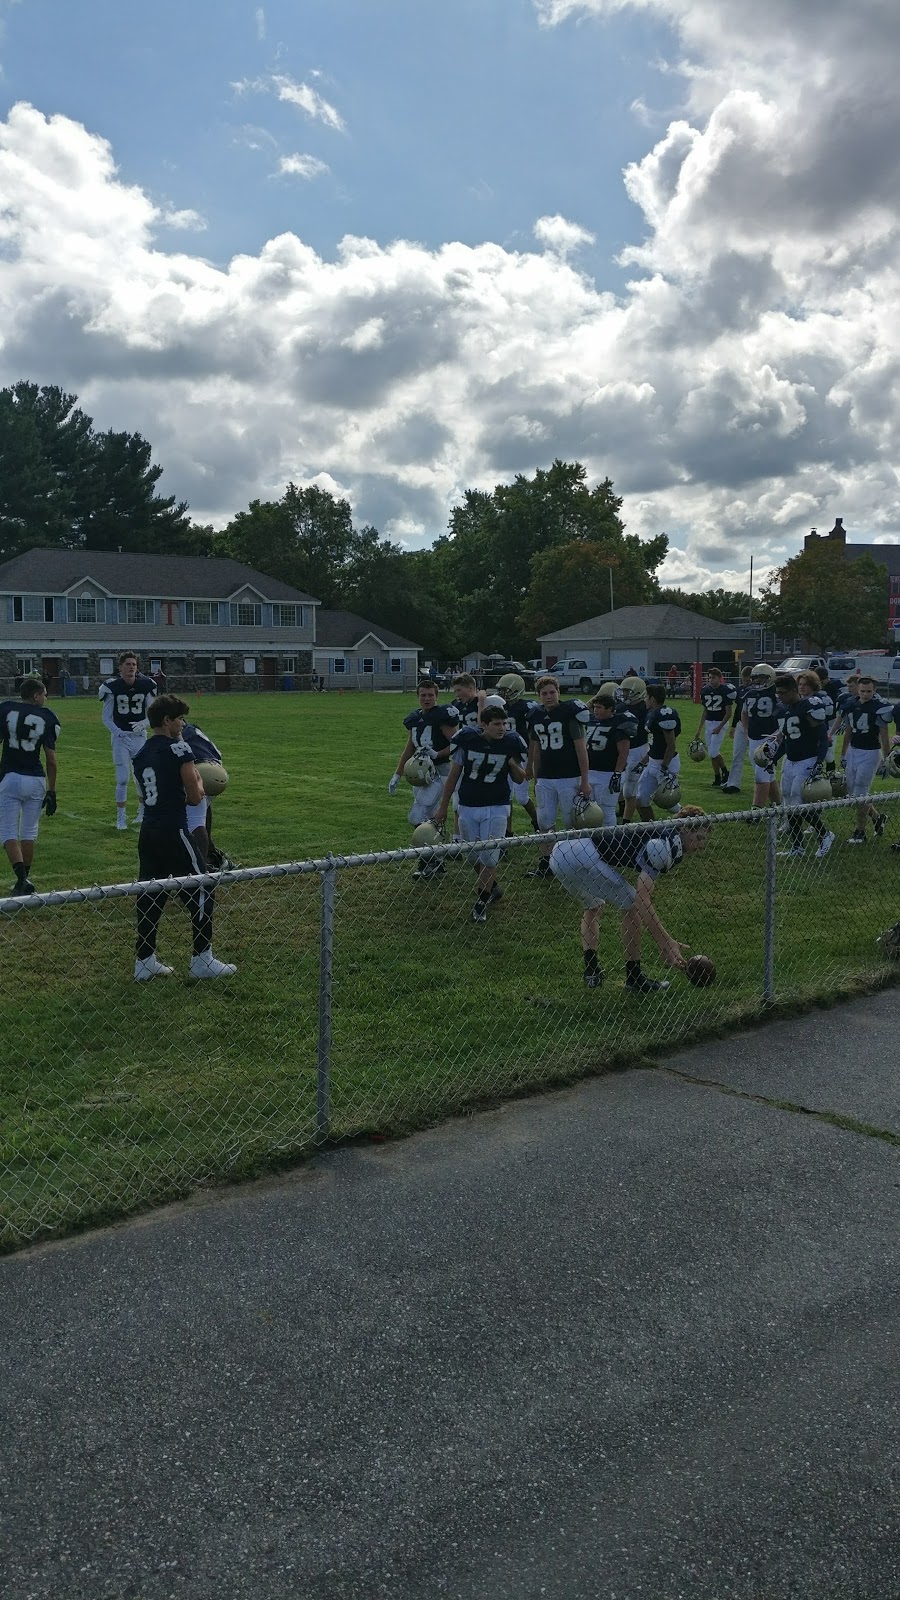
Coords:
149,786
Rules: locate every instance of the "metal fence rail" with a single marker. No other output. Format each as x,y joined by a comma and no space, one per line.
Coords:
367,1001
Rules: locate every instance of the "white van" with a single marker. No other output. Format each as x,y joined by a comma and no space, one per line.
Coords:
877,663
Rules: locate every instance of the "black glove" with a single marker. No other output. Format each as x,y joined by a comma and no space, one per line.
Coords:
615,782
48,803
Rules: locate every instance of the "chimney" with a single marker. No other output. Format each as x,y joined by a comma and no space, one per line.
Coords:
838,532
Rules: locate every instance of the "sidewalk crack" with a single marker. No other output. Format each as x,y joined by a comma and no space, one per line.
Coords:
836,1119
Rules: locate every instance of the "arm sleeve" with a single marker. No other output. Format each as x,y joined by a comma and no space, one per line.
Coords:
106,708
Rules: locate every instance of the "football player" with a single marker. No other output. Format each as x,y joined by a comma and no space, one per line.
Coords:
125,701
557,760
663,726
429,729
803,734
634,696
591,870
608,738
27,727
200,816
169,782
716,699
864,751
467,699
511,688
828,693
484,760
740,741
760,721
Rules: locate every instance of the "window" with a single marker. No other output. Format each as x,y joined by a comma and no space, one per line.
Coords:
285,616
199,613
86,609
26,666
32,608
339,664
368,664
138,610
48,608
155,665
246,615
221,666
107,666
249,665
289,664
78,666
203,666
396,664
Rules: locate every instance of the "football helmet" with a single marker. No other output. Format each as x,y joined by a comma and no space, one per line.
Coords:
697,750
839,786
664,854
427,833
609,688
817,787
634,690
763,673
586,813
893,761
420,770
762,756
511,686
668,794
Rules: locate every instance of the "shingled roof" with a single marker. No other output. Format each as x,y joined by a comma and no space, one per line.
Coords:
140,576
648,622
345,630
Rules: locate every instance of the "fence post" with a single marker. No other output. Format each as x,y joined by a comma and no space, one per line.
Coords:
772,819
326,952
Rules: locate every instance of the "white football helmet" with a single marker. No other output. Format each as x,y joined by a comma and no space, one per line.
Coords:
817,787
420,770
697,750
586,813
668,794
763,756
763,673
427,833
634,690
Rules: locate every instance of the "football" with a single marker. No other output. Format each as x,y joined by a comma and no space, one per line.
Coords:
213,776
701,971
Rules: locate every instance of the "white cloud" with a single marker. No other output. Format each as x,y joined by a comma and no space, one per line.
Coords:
260,18
309,101
185,220
561,236
301,166
745,387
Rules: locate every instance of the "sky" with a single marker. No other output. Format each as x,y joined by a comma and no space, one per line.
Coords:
403,249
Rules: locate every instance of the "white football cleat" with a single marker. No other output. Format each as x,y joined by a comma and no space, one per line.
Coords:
150,967
121,821
206,966
825,846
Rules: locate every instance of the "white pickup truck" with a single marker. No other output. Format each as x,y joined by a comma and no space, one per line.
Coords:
578,672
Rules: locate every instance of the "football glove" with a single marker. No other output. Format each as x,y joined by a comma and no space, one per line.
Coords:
615,782
49,802
394,784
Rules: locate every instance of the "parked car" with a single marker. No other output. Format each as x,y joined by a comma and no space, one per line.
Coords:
491,674
578,672
797,664
877,663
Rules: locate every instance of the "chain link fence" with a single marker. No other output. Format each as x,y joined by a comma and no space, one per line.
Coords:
367,1000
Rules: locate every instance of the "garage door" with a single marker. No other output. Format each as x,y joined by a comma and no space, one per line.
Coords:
621,660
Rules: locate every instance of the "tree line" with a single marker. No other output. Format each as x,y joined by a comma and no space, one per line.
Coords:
540,553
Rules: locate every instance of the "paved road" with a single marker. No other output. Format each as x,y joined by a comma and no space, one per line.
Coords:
636,1340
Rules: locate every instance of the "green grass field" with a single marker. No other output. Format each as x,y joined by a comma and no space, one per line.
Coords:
115,1095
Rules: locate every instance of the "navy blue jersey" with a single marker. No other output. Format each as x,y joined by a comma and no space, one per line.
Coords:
652,851
742,692
865,719
556,730
26,729
844,702
485,766
660,721
827,697
716,700
517,714
761,706
202,747
129,701
639,737
603,738
426,727
804,728
468,711
157,769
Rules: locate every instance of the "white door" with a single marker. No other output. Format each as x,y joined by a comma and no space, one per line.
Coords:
621,660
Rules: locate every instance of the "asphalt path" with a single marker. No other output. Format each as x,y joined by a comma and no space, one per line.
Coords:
637,1340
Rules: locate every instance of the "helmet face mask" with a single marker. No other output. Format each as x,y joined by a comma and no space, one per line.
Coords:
893,761
697,750
586,813
634,690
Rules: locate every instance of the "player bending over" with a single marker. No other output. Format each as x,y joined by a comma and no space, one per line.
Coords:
484,761
125,701
169,782
27,726
590,869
